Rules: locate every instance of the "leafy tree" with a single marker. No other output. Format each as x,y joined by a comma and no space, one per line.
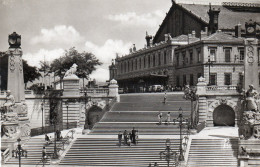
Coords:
30,73
86,62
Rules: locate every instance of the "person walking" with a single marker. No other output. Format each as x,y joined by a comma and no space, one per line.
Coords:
44,153
134,136
156,165
129,139
165,98
125,137
119,138
160,118
47,139
168,120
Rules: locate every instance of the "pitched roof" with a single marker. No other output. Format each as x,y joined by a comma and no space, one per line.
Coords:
228,18
222,37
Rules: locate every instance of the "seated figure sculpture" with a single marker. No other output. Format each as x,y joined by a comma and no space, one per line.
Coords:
251,96
10,102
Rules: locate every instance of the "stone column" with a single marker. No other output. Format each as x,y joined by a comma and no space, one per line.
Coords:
201,92
113,90
71,93
251,63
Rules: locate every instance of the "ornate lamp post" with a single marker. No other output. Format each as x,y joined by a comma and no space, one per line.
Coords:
42,107
209,64
168,154
181,123
67,106
20,151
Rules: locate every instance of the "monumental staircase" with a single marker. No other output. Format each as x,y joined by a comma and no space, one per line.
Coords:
140,111
213,153
106,152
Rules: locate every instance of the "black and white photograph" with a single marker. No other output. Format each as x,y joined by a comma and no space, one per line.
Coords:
130,83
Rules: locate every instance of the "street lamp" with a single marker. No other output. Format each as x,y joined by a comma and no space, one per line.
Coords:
67,106
20,151
42,107
181,124
168,154
209,64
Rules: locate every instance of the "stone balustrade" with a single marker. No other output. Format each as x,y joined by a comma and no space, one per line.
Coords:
221,88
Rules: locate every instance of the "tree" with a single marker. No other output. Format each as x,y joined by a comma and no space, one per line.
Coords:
87,63
30,73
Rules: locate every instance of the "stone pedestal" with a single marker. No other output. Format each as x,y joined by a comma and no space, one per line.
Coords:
202,100
113,90
71,86
71,90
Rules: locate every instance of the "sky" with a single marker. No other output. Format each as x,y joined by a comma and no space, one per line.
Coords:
102,27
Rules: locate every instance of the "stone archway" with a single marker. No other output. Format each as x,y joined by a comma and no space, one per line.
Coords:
93,115
223,115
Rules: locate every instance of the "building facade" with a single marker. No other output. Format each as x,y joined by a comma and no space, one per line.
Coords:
191,43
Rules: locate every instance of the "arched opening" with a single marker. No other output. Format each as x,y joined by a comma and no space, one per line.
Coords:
224,115
93,115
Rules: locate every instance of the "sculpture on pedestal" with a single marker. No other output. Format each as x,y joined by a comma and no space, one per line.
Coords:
71,71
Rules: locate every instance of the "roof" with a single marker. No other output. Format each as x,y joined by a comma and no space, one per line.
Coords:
222,37
228,18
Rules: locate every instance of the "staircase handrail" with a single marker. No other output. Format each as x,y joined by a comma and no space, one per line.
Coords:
6,155
66,140
107,108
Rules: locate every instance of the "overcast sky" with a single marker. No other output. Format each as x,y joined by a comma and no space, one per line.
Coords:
103,27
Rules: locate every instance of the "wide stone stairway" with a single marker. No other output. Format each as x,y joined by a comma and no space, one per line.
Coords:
106,152
140,111
213,153
34,152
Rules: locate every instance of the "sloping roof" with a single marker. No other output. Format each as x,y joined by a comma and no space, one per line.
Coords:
228,19
222,37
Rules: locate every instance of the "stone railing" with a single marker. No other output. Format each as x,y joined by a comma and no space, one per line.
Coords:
95,91
5,155
221,88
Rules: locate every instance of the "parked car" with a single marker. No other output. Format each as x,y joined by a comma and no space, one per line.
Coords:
120,90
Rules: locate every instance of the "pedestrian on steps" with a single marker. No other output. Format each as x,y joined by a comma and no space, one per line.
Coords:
168,118
156,165
134,136
47,139
160,118
125,137
44,155
165,98
119,138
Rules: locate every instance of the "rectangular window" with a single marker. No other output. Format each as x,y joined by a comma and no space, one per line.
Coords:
191,80
213,79
184,80
199,55
212,54
184,58
165,58
191,57
241,54
149,61
159,59
154,60
177,81
227,79
227,54
177,60
241,78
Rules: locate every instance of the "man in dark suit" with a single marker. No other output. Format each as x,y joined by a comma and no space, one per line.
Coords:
125,137
134,135
119,138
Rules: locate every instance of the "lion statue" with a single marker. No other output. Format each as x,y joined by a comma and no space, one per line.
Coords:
72,70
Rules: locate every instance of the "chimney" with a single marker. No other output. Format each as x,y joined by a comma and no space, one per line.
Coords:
134,48
193,34
213,19
204,33
238,30
166,37
148,39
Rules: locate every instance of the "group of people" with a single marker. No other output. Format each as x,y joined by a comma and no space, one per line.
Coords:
128,137
168,118
48,138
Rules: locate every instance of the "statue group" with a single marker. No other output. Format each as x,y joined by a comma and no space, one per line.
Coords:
250,123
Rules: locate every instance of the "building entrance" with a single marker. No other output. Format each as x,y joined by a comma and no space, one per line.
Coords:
224,115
